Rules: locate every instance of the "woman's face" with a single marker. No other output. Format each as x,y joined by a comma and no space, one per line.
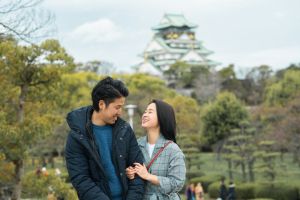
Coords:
149,118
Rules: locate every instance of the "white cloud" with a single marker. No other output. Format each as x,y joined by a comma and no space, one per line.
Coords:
279,14
101,31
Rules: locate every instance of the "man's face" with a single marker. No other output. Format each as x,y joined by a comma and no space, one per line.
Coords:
109,114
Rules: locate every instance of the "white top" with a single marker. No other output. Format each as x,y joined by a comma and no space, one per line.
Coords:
150,148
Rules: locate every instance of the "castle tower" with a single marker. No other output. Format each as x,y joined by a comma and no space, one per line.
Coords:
173,40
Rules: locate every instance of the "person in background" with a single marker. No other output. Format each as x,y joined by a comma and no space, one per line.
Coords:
223,190
231,191
38,172
191,192
199,193
57,172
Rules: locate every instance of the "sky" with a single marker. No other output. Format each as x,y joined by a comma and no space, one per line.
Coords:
246,33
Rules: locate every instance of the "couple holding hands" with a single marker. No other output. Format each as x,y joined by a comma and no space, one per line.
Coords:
106,161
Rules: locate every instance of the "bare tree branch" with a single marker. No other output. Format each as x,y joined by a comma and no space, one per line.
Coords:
24,20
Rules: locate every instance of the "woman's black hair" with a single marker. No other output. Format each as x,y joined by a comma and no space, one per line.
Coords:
166,119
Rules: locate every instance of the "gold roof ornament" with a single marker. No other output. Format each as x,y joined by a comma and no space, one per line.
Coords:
175,35
192,46
146,55
192,36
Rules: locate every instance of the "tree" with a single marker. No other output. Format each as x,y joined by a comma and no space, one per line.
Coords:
257,79
268,167
223,115
187,114
185,74
278,94
36,187
191,152
24,20
242,148
30,76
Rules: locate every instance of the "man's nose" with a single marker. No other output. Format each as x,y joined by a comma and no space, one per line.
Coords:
120,112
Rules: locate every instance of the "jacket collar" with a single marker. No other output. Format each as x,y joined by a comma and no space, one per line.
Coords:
159,143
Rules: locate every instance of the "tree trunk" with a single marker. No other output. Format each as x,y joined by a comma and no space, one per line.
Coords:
250,167
244,172
19,171
32,161
51,160
44,162
64,158
295,157
229,169
19,163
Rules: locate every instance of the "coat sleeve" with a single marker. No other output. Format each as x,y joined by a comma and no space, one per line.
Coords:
78,169
174,181
136,185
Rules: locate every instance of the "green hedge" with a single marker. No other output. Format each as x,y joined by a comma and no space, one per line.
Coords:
207,180
252,191
279,192
244,191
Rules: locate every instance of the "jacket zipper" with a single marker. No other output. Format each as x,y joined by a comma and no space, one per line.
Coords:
115,162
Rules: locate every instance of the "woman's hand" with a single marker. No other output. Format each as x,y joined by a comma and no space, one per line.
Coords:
141,170
130,172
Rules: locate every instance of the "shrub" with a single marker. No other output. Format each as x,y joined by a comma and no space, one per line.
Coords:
207,180
65,175
244,191
279,192
213,190
241,190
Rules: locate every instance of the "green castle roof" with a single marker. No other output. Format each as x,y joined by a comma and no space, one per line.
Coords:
175,21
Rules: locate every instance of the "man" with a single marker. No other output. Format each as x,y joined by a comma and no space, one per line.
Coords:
101,145
223,191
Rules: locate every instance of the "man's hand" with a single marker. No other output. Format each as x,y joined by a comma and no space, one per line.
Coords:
130,172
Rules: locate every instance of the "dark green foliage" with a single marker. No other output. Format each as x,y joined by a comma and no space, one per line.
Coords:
222,116
207,180
244,191
279,192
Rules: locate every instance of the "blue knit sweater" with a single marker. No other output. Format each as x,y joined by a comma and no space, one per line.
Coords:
104,137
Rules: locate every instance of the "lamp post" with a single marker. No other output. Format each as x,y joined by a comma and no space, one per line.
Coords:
130,108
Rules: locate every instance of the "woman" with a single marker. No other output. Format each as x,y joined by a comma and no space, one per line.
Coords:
199,192
166,175
191,192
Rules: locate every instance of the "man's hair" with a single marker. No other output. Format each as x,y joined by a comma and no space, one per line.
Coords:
108,89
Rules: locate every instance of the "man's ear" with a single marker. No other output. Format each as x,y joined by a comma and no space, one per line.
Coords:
101,105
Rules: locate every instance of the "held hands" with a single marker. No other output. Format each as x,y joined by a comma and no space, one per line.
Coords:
139,169
130,172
